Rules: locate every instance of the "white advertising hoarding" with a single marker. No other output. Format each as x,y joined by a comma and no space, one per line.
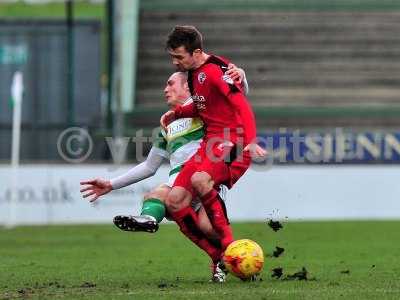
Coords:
49,194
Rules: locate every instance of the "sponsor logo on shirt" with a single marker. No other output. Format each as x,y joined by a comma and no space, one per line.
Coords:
179,126
199,101
201,77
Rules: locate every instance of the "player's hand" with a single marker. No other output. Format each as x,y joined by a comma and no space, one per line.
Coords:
237,74
255,151
95,188
167,118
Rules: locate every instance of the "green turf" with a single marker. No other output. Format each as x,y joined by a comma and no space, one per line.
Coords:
101,262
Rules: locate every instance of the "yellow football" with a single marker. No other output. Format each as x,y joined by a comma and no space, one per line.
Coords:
244,258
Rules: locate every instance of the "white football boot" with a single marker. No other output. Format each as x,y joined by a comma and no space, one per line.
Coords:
219,272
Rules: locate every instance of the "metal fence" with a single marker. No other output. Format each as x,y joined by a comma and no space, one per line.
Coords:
39,49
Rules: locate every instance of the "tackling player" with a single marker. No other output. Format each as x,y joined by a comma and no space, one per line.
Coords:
224,154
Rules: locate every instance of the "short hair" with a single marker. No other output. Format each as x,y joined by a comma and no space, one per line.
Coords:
183,75
185,35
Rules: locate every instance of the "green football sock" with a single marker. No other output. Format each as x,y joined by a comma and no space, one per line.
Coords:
155,208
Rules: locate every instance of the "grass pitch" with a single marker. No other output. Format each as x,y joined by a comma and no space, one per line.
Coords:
344,260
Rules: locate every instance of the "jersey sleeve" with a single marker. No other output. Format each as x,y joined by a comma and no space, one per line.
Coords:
142,171
160,144
186,111
225,85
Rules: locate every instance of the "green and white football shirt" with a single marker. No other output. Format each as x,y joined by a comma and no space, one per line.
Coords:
180,142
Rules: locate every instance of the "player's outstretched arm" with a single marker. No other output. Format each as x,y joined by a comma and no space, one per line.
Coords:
142,171
99,187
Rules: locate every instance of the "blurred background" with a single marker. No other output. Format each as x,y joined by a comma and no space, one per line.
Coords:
323,75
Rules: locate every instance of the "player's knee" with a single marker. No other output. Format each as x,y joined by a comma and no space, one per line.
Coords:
154,196
147,196
201,182
174,201
159,193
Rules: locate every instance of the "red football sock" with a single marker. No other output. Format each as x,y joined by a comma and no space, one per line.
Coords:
187,220
217,214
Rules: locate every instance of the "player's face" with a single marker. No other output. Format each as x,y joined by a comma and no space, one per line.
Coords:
182,59
176,89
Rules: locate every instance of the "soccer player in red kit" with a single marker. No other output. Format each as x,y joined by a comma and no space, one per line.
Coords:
224,155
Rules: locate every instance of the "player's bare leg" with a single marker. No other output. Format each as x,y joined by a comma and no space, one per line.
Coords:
205,225
153,212
204,186
177,199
